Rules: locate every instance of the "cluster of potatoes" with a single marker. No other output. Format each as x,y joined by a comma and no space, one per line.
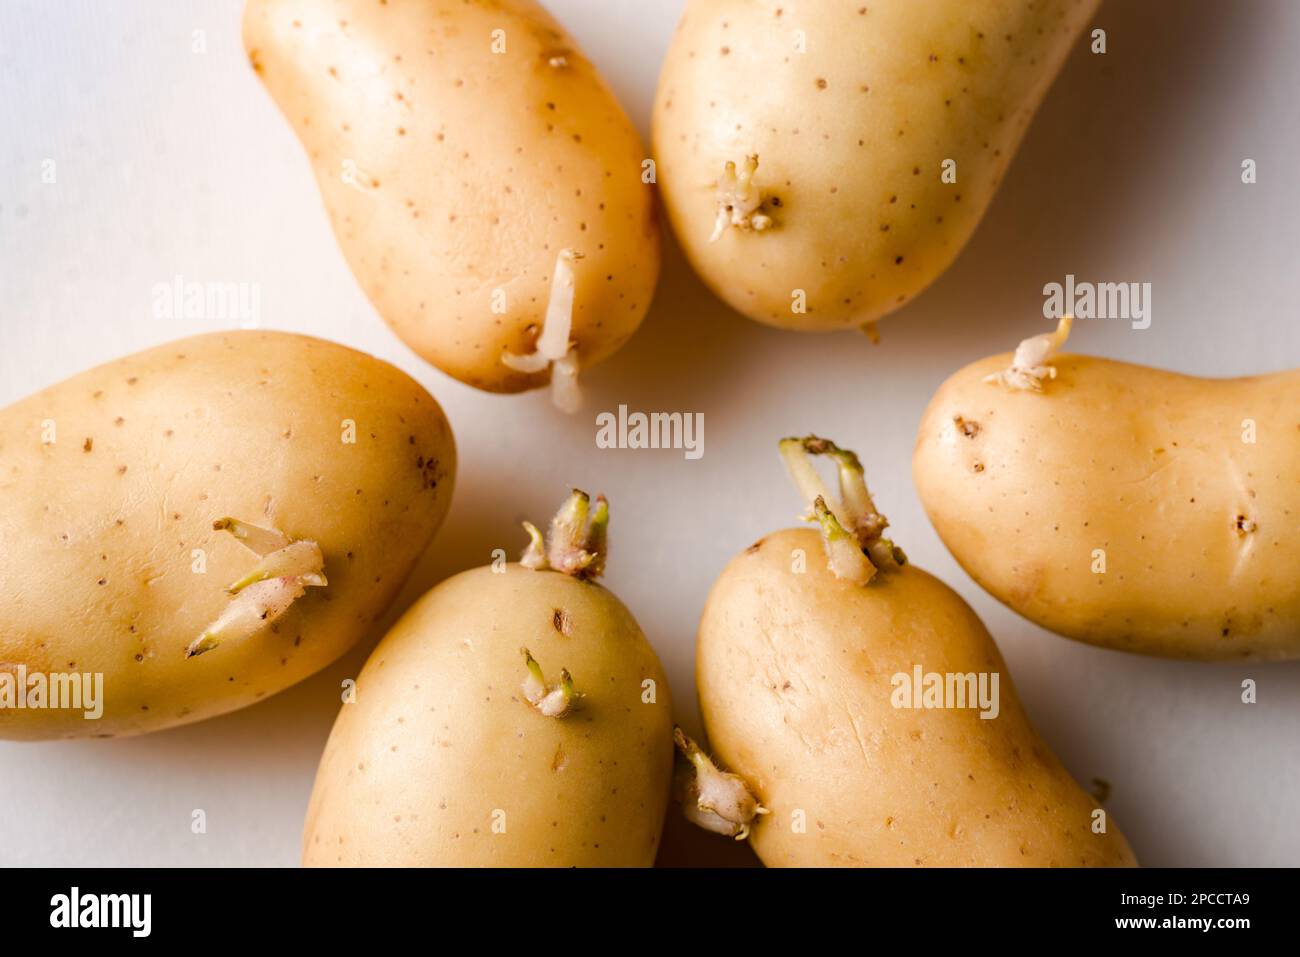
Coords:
221,517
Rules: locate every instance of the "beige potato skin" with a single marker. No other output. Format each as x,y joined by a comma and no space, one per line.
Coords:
850,138
98,530
440,737
470,170
1146,465
794,678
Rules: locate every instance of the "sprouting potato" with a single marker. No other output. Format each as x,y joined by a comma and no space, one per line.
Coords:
206,523
483,183
807,644
823,162
711,798
515,716
1121,505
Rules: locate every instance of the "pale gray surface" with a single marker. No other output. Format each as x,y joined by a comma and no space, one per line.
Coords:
170,162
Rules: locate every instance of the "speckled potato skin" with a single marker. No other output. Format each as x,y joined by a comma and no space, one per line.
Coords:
472,170
1150,467
794,678
440,737
850,137
98,530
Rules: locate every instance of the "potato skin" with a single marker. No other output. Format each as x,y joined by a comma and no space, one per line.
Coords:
850,138
794,679
472,170
98,530
1150,467
440,736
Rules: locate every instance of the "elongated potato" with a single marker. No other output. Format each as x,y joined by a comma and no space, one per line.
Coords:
516,716
823,162
1120,505
809,652
460,149
135,496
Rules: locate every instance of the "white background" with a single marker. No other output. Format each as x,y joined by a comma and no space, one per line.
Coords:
176,163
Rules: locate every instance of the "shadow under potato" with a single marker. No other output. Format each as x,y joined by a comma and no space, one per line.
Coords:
685,845
1107,131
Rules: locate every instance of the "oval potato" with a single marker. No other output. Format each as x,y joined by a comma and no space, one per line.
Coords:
796,680
851,112
442,762
1125,506
110,483
459,147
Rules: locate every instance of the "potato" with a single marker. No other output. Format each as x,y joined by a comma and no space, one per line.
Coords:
806,149
469,743
1120,505
475,168
801,662
135,496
